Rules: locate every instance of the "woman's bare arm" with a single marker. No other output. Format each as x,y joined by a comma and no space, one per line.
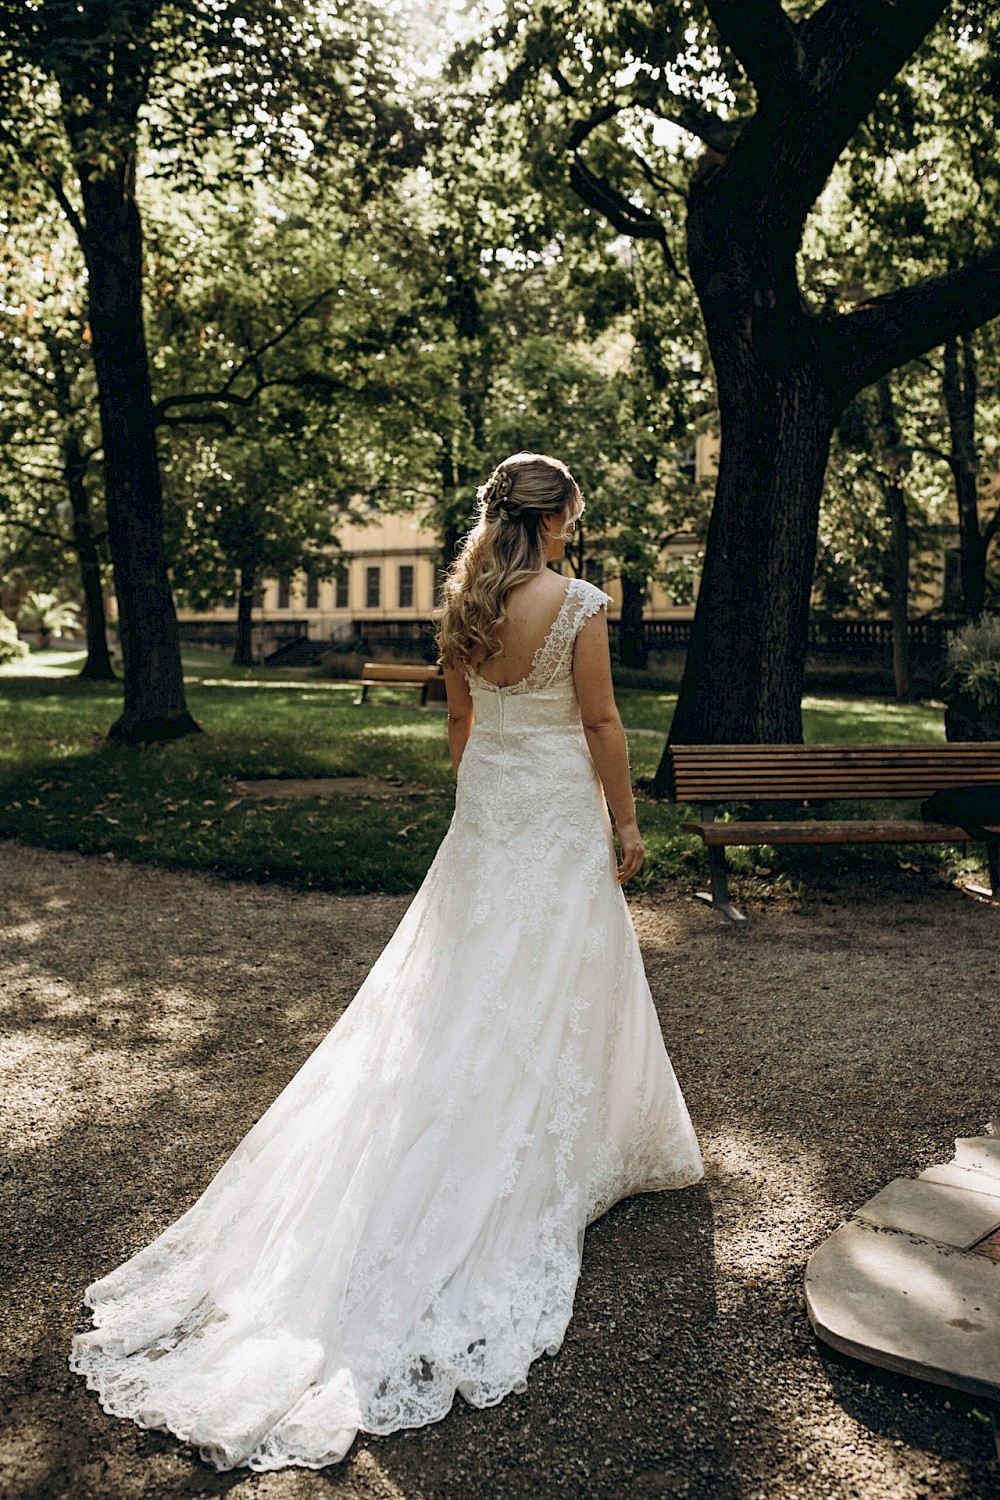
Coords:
602,726
460,715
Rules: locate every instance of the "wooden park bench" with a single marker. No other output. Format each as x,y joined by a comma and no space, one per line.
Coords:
393,674
706,775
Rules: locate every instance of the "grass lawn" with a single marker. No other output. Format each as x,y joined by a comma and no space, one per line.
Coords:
63,787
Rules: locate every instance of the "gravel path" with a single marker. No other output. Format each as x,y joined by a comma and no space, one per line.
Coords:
152,1016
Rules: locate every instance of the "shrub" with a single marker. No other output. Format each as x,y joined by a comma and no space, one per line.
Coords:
12,648
346,665
974,662
48,616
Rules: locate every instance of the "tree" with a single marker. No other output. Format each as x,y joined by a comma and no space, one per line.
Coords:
82,86
251,503
774,96
48,440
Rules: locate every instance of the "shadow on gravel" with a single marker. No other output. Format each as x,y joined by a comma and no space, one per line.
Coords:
150,1018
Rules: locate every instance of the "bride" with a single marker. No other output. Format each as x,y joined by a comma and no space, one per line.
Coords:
406,1220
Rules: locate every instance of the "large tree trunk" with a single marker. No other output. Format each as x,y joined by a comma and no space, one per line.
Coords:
97,667
154,707
960,394
632,648
243,655
743,675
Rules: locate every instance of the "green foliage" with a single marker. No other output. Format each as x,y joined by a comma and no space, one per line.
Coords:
974,661
48,614
12,648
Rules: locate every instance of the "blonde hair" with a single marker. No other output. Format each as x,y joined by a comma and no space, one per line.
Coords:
504,547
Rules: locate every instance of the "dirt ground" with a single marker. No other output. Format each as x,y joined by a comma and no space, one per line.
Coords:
150,1017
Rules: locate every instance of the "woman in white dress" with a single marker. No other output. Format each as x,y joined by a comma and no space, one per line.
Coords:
406,1220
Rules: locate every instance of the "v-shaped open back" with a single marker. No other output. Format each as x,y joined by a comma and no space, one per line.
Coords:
553,657
522,683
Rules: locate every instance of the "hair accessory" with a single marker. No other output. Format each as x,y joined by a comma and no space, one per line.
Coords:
503,483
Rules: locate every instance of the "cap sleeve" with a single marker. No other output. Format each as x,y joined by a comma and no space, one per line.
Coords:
587,600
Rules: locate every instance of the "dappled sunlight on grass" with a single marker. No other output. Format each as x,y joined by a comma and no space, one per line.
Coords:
48,663
871,720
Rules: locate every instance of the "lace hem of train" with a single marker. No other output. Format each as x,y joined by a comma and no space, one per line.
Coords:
309,1419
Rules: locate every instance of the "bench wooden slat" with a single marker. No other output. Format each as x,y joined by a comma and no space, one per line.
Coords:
895,831
377,672
712,774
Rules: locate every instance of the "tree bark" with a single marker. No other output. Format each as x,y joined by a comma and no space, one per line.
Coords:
960,394
895,459
899,585
243,654
632,648
154,706
97,667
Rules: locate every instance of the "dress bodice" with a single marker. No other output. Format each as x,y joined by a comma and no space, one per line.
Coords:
545,698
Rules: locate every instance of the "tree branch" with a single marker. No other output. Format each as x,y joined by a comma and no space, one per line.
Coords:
619,211
55,182
48,536
764,41
940,455
693,117
991,528
226,395
877,336
580,131
854,48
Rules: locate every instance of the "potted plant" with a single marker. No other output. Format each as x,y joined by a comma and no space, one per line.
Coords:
972,686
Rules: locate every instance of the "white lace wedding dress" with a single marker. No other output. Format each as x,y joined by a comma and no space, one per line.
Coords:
406,1220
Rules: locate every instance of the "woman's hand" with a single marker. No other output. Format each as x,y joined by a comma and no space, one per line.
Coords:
632,851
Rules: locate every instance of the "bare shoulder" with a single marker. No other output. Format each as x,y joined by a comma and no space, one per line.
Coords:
537,597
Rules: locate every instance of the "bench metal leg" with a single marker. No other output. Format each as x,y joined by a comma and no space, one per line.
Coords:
991,892
363,695
719,895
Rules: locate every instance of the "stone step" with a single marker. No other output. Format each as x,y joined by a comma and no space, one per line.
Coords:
936,1211
909,1304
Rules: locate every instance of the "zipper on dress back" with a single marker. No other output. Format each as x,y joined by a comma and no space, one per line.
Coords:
503,753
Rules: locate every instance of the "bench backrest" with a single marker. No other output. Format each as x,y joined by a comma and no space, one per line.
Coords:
732,773
383,671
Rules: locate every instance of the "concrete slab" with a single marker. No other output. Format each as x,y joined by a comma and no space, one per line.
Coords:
936,1211
910,1305
981,1153
972,1180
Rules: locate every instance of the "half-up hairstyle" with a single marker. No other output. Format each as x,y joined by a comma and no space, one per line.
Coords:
504,547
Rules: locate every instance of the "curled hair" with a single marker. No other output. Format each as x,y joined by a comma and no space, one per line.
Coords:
504,547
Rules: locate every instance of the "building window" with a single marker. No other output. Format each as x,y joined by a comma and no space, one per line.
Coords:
340,587
406,585
373,587
312,592
595,572
258,596
284,593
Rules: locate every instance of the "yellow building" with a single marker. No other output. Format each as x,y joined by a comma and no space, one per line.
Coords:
385,586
